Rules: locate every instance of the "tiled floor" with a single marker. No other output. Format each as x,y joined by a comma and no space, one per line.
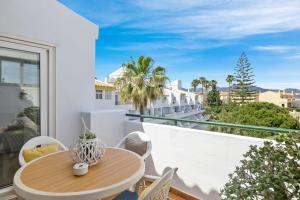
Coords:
178,195
174,195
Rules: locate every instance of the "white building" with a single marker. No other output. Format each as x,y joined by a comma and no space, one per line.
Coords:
175,99
107,97
47,59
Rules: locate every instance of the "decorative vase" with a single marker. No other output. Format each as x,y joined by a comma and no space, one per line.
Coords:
88,151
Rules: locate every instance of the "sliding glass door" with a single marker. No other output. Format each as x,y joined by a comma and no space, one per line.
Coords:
23,102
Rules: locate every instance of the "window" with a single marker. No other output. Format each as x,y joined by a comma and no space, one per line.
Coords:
164,99
19,68
20,105
99,94
174,100
10,71
108,94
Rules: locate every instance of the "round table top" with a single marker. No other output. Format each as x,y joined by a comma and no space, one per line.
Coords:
51,176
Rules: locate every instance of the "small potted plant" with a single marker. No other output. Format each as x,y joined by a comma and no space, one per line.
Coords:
88,148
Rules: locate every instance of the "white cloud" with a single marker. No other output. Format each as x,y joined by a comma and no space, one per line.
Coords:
293,57
190,19
179,44
273,48
218,19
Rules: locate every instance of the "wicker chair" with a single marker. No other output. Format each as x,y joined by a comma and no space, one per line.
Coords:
37,141
137,142
158,190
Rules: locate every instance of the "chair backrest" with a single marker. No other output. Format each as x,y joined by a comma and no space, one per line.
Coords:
137,142
159,189
36,141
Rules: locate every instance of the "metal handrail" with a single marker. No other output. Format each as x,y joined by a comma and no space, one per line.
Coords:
222,124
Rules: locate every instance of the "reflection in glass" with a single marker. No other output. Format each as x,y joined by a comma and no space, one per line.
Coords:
19,107
31,74
10,72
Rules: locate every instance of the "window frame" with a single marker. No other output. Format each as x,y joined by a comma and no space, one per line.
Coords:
47,58
98,93
21,70
108,95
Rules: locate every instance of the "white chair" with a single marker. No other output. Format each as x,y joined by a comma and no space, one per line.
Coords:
36,141
137,142
158,190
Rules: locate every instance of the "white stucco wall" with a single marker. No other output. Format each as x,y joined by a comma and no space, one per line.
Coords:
204,158
107,124
74,38
101,104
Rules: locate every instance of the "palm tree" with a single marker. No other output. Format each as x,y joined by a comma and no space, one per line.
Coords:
141,83
194,84
206,85
202,81
229,79
213,83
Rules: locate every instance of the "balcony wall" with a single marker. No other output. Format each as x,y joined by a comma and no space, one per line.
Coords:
204,158
109,125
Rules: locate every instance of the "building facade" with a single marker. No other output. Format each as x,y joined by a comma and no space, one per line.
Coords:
39,57
175,98
281,98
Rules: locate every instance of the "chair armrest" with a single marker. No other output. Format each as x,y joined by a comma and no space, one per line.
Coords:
147,177
150,177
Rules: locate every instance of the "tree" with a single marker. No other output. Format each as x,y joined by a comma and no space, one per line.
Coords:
213,97
206,85
229,79
270,172
194,84
213,83
141,83
244,82
257,114
202,81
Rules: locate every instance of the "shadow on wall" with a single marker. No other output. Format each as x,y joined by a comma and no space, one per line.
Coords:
178,181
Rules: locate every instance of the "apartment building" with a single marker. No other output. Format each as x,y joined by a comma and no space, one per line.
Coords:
175,98
280,98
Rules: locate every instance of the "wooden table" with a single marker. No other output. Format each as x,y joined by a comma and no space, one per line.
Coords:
50,177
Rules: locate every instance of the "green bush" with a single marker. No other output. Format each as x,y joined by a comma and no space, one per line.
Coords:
297,109
270,172
257,114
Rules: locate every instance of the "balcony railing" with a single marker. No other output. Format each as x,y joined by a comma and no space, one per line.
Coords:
220,124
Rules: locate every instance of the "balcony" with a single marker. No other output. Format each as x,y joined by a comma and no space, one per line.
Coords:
204,158
64,87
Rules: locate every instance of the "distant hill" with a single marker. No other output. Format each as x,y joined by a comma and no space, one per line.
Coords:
293,89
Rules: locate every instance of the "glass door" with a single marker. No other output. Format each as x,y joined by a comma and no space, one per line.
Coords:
23,102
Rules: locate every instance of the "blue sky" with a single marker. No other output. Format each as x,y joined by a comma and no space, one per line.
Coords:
193,38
